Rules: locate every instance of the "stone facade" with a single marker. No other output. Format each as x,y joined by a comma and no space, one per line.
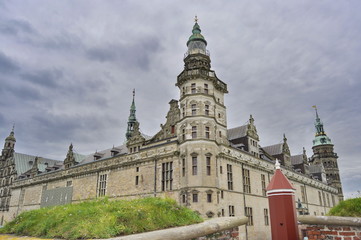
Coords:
193,159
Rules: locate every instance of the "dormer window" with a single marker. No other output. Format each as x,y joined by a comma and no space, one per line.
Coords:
97,156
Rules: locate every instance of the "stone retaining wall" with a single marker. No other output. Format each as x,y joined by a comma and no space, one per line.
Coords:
224,228
330,228
229,234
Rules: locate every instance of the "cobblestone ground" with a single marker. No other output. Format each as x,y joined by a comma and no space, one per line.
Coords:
12,237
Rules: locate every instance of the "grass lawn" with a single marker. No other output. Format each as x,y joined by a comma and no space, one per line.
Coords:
101,218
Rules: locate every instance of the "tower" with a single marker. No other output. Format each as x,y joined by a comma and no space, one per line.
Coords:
202,127
7,171
9,146
69,161
323,154
132,119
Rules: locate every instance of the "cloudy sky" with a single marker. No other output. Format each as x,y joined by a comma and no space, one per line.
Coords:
67,70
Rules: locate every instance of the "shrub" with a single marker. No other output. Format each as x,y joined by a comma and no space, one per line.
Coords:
347,208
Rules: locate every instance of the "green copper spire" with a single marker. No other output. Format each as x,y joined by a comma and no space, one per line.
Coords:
11,136
320,136
132,118
196,36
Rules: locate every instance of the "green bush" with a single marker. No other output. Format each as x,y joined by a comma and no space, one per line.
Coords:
101,218
347,208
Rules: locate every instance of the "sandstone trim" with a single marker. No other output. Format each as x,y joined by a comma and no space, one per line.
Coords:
189,232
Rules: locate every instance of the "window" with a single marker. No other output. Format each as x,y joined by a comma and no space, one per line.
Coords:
208,165
229,177
328,199
220,134
220,169
183,112
183,134
206,88
137,169
231,210
266,221
263,181
194,132
194,109
69,183
184,198
195,197
324,199
102,184
193,88
207,132
219,115
209,197
184,91
183,167
303,194
222,212
167,176
206,110
319,198
194,165
246,181
249,214
172,130
136,180
333,200
222,194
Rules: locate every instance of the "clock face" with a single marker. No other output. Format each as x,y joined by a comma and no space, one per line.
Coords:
323,140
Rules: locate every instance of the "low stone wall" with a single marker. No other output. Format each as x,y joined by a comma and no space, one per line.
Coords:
225,228
229,234
330,228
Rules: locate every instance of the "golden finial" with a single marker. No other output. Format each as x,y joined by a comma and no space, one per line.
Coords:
196,19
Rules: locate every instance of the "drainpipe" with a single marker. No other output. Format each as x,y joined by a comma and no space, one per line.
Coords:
155,177
244,201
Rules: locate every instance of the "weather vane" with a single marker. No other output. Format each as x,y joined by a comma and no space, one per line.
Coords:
195,19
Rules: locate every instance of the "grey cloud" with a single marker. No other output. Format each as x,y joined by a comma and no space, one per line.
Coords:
21,92
7,65
132,55
47,78
15,27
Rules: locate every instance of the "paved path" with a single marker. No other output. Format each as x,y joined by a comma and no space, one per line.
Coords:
12,237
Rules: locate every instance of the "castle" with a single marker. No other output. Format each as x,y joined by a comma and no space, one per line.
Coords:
194,159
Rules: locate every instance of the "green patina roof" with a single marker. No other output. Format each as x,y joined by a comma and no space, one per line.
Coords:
321,140
321,137
24,162
11,136
196,36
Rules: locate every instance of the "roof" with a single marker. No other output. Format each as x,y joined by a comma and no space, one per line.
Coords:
24,162
237,132
107,153
297,159
273,149
196,35
279,181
